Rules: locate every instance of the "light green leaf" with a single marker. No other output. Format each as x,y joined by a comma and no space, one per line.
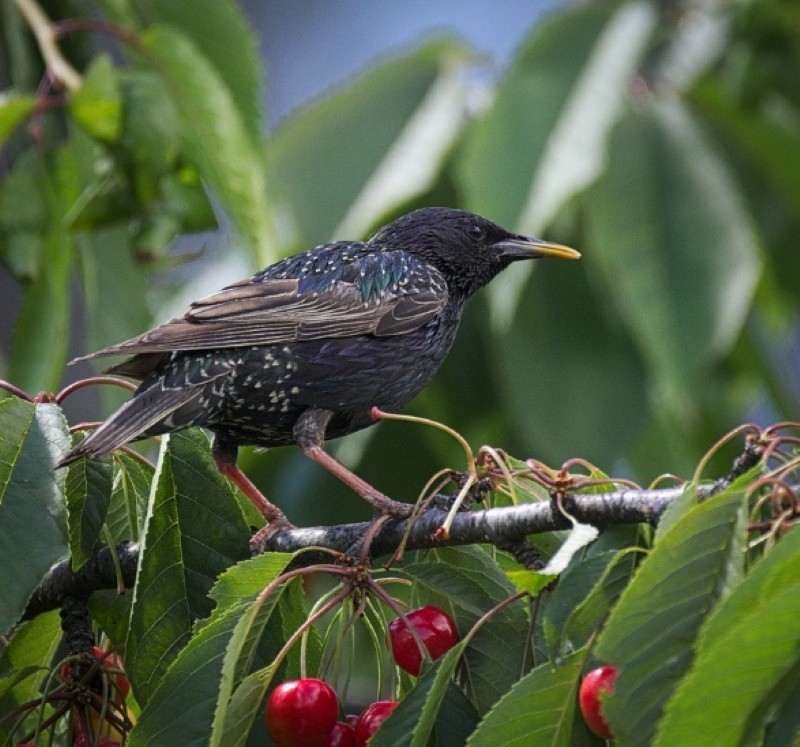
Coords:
651,633
347,160
41,331
97,104
580,536
25,665
747,653
33,439
215,136
222,31
128,508
14,107
670,230
544,139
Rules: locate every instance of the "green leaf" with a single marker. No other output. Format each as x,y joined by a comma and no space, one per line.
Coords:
88,495
544,139
347,160
222,32
602,377
215,136
651,633
33,439
97,104
192,698
14,107
770,147
113,279
538,710
747,652
25,665
128,507
414,720
670,231
581,599
194,532
182,705
591,609
41,332
467,583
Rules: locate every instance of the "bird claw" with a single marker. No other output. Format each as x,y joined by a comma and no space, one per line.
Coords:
260,540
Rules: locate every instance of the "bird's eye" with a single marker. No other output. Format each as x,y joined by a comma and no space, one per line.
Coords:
475,231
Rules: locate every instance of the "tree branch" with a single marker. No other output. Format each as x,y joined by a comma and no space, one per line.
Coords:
503,527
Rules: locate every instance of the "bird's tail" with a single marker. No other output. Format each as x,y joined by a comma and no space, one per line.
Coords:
135,418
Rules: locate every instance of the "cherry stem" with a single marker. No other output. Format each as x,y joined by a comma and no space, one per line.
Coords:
92,381
16,391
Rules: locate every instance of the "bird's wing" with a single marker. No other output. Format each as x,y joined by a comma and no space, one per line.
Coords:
378,294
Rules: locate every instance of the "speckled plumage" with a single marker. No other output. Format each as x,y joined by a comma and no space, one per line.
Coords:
337,330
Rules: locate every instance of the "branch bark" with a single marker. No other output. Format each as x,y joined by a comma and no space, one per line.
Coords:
502,527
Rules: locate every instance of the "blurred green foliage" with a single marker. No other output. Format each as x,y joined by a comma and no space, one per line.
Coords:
662,139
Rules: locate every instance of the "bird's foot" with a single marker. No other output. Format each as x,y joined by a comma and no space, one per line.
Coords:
261,538
385,506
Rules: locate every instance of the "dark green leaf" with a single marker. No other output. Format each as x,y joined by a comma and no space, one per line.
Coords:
651,633
562,354
414,720
88,496
670,230
467,583
538,710
583,596
33,522
194,532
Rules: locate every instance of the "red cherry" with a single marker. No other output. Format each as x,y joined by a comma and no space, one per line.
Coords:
371,718
301,713
596,685
436,629
342,735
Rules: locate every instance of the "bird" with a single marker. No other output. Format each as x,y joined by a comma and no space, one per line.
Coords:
302,351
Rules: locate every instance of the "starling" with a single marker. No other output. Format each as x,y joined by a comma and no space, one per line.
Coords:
303,350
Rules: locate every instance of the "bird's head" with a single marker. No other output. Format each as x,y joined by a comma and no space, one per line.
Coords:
466,248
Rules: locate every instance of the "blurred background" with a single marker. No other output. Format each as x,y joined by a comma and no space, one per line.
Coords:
199,141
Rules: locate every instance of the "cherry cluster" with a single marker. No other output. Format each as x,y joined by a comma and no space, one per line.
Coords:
305,712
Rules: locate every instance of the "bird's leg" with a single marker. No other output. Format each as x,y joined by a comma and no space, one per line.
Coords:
309,434
224,453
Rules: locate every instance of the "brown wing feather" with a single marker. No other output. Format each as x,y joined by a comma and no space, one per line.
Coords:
262,311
